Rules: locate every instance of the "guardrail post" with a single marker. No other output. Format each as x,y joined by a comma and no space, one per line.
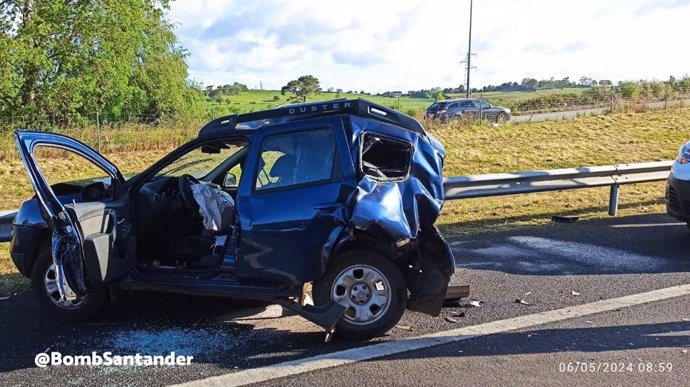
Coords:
613,200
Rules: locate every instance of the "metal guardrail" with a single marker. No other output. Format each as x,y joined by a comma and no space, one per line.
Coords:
479,186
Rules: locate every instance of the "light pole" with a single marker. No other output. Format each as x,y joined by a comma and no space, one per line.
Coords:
469,55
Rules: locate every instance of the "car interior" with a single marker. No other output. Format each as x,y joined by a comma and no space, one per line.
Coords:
171,234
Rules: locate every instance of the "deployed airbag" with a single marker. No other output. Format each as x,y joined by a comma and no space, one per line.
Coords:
215,206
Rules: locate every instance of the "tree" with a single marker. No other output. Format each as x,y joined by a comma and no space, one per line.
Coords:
303,88
68,58
436,94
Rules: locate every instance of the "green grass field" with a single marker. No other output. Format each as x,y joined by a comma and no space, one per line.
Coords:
472,148
496,96
255,100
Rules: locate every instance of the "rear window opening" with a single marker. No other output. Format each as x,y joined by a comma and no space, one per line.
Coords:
385,159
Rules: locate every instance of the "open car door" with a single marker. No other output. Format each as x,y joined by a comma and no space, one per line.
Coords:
92,242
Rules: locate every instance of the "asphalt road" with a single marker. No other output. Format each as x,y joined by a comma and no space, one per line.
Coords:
597,259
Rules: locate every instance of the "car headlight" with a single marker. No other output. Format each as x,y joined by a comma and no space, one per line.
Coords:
684,153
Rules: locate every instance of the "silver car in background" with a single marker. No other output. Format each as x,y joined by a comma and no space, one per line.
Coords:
452,109
678,186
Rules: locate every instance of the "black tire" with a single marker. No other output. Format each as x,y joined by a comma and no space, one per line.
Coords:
392,282
501,117
76,311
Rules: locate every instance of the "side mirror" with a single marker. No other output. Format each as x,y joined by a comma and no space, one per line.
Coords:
230,180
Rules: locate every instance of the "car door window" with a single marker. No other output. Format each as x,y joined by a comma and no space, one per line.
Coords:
72,173
485,105
296,158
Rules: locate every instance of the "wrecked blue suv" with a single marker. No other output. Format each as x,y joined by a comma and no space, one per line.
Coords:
340,195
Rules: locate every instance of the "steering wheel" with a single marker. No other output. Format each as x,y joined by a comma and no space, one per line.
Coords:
185,187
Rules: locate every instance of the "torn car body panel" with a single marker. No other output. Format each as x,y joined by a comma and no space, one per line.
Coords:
399,197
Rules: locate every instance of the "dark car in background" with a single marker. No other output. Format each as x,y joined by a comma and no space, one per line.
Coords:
453,109
341,195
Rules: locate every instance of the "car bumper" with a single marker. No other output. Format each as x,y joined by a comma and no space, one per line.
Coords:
678,198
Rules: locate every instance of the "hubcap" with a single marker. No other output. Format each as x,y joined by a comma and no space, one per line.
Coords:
51,287
364,291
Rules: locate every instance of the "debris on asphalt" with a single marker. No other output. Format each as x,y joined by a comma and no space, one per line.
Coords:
574,293
451,320
564,219
685,319
4,298
184,341
475,303
684,351
528,293
458,314
521,301
589,322
404,327
329,336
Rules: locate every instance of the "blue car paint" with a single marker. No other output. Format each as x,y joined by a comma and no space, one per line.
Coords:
288,236
285,233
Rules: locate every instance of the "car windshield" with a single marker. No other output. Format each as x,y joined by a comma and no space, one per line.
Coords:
435,106
200,161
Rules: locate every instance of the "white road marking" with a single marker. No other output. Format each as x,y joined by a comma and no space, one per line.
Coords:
353,355
645,225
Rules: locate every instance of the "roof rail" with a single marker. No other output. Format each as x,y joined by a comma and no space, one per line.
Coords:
360,107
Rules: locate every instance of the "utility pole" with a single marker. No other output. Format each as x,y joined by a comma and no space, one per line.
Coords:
469,54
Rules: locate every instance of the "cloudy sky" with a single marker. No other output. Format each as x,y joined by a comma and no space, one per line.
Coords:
378,45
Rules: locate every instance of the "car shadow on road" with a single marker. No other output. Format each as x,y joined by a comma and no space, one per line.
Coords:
501,224
565,340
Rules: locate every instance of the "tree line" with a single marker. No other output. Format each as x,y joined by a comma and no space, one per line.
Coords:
70,58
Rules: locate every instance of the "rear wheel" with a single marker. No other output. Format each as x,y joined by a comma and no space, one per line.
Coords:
501,118
44,286
372,289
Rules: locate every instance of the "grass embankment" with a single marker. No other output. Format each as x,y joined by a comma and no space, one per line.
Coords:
471,149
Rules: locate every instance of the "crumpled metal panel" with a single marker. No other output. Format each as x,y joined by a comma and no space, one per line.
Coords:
405,211
407,207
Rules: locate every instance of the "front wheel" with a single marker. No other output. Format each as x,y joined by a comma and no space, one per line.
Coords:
372,289
44,286
501,118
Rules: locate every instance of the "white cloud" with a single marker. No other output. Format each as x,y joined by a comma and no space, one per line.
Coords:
412,44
